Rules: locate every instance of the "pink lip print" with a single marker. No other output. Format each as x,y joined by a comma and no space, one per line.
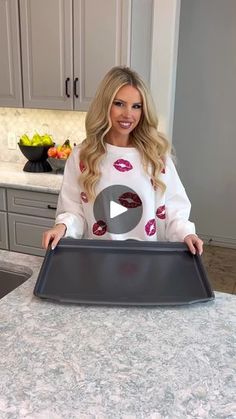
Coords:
161,212
123,165
81,166
150,227
99,228
84,197
130,200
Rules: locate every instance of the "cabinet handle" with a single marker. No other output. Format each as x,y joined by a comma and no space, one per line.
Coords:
51,207
75,87
66,84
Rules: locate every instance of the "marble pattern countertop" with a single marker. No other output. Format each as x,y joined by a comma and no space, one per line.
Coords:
13,176
74,361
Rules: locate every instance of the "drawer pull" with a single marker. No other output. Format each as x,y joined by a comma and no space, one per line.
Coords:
75,87
51,207
66,85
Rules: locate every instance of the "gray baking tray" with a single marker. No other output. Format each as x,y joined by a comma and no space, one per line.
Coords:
122,272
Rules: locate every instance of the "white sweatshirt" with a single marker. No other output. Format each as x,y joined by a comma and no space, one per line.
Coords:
165,216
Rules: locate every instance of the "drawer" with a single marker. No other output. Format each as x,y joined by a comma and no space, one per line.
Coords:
3,206
3,231
32,203
25,233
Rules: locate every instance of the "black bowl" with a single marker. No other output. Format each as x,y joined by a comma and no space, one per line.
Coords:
37,158
57,165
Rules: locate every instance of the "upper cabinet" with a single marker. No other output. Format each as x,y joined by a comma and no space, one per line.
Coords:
67,46
101,41
47,53
10,68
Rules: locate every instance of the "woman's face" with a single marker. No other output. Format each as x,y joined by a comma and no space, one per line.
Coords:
125,114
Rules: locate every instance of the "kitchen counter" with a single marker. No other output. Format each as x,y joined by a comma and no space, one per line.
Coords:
74,361
13,176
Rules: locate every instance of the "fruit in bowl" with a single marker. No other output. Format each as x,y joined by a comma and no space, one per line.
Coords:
57,156
37,140
35,150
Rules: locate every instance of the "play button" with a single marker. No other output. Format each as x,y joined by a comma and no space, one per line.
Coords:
117,209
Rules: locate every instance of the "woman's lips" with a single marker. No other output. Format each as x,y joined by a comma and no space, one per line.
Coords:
122,165
150,227
161,212
130,200
99,228
125,125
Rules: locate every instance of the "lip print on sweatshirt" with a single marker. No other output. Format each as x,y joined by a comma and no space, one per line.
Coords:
150,227
84,197
123,165
130,200
161,212
82,166
99,228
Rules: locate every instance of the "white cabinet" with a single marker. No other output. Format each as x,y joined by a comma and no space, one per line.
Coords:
10,68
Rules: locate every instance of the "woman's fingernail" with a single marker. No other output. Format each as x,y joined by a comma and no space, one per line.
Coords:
52,247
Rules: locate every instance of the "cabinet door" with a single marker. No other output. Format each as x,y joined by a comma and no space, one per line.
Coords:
25,233
10,71
39,204
46,36
3,231
141,37
101,41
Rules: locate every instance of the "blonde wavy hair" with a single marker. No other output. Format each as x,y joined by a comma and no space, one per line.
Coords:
152,145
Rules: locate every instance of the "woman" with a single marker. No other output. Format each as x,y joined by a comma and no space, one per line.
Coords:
123,149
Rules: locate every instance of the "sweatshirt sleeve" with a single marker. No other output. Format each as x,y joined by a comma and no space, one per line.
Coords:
178,206
69,208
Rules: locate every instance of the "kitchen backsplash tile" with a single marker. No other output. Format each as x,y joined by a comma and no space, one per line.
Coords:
60,124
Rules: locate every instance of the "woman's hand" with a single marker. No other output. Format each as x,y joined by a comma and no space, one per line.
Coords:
53,235
194,243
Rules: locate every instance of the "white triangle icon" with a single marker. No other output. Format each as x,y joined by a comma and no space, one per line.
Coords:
116,209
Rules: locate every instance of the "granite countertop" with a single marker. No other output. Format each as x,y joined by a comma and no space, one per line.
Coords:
76,361
13,176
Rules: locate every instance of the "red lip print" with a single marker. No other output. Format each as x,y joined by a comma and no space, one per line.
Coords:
84,197
123,165
161,212
130,200
82,166
150,227
99,228
163,170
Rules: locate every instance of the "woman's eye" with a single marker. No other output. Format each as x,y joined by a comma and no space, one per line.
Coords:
137,106
117,103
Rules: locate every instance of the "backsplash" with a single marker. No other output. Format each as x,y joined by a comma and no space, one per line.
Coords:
60,124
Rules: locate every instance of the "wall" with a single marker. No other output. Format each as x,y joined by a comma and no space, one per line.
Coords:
204,130
60,124
164,60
